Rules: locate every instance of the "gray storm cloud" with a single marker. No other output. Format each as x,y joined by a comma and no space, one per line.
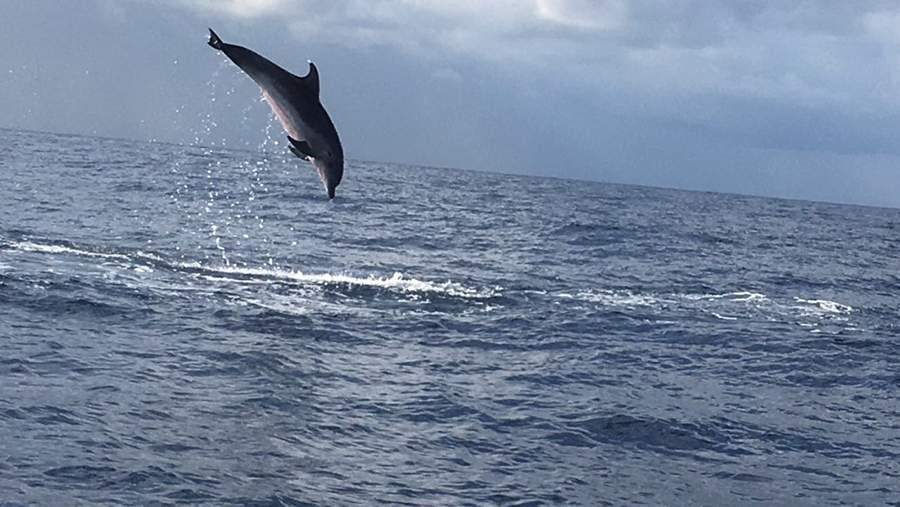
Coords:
804,52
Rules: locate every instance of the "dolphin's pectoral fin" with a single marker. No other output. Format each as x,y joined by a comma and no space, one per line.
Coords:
311,79
295,151
300,148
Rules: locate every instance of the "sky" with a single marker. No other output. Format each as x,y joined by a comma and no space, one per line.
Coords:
795,99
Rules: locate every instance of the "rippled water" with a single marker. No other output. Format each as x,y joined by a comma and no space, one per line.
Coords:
180,324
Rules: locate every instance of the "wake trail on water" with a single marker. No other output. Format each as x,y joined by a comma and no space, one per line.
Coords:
294,291
146,262
727,306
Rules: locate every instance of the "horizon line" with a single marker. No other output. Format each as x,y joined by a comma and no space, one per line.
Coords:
452,168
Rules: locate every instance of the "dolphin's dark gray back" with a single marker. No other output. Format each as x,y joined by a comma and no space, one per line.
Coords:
295,101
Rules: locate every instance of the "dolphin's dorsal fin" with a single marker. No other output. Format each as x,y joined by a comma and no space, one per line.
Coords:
311,79
300,148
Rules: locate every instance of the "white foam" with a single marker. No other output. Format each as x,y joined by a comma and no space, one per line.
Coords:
395,282
612,298
152,257
729,306
826,306
740,296
27,246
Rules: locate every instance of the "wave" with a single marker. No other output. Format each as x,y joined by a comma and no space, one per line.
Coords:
397,281
729,306
612,298
825,305
28,246
738,297
145,262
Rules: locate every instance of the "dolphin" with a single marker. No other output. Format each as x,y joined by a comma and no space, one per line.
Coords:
295,101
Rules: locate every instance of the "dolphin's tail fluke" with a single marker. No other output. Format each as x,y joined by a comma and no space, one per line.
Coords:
214,40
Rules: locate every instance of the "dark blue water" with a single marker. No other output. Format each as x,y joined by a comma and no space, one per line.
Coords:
186,325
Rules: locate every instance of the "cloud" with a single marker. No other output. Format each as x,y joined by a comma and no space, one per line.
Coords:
447,75
584,14
733,67
793,51
242,8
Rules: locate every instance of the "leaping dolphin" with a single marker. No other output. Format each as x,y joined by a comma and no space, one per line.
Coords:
295,101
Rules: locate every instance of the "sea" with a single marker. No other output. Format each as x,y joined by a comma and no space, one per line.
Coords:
182,324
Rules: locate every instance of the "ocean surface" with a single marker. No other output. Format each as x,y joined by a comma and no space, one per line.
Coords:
181,324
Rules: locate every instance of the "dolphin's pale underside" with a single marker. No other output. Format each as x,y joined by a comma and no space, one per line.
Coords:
295,101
